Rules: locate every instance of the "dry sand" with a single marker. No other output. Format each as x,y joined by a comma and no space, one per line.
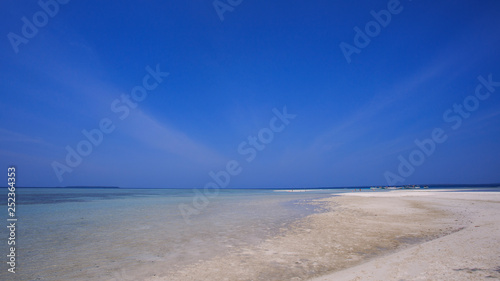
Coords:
472,253
397,235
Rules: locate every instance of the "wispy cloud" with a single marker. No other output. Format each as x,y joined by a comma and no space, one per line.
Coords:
165,138
360,122
14,137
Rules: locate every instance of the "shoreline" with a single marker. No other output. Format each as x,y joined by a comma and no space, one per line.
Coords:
471,253
360,233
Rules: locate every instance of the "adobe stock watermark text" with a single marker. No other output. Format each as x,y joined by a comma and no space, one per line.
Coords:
121,107
455,117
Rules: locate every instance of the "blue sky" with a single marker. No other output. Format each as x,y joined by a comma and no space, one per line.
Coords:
354,121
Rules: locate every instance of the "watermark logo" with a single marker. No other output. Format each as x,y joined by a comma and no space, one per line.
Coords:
372,29
247,149
122,275
121,107
12,220
30,28
455,116
221,7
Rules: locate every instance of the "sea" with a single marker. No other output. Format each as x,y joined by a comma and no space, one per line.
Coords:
116,234
106,233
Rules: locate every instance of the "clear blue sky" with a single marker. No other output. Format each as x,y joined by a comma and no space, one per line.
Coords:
354,121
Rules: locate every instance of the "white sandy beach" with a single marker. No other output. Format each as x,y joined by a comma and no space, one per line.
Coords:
396,235
472,253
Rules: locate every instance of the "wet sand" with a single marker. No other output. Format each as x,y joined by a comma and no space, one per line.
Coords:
472,253
397,235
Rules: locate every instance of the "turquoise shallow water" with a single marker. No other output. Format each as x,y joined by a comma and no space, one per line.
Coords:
109,234
95,234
